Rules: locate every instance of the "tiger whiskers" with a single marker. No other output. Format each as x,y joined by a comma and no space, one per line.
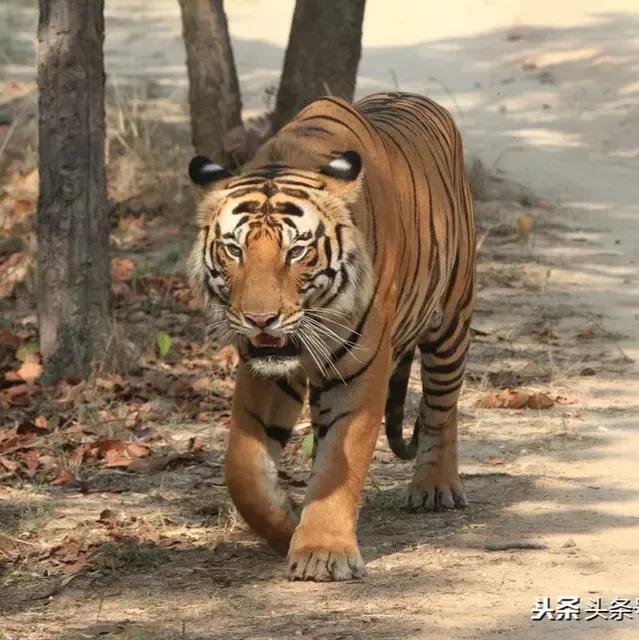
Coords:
320,331
317,349
219,331
301,334
316,313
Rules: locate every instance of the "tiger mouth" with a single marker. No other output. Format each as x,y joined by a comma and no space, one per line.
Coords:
264,346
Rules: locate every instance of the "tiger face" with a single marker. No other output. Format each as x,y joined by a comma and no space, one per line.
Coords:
279,261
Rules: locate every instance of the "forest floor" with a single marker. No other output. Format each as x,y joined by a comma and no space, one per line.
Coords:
114,518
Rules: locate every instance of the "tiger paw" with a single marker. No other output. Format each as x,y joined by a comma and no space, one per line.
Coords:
324,563
325,566
437,498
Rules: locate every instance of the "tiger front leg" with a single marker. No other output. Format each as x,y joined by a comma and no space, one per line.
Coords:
263,416
346,419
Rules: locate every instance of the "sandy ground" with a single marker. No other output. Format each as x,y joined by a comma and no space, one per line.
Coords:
546,95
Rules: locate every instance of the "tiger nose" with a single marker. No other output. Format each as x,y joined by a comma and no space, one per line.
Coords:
261,320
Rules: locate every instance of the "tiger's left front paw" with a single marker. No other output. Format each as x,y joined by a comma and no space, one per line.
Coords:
324,560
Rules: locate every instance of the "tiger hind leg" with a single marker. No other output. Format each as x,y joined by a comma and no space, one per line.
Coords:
436,484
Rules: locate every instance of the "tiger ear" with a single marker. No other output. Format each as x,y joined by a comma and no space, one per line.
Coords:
203,172
345,169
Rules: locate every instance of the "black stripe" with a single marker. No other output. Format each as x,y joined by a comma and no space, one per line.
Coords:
443,392
248,206
336,121
280,434
245,182
340,240
323,428
295,193
314,396
312,130
289,209
327,250
284,182
457,378
447,368
433,347
438,407
286,388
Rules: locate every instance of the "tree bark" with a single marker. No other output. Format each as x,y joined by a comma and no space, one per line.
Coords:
214,92
73,286
322,56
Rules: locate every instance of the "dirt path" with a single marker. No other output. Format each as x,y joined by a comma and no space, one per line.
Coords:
552,108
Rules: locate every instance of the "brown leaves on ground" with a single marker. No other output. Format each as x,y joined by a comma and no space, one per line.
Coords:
18,197
58,454
515,399
55,433
107,542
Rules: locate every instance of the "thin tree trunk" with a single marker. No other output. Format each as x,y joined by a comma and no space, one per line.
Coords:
214,93
73,233
322,56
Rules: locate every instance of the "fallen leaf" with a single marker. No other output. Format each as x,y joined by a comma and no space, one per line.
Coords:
506,399
308,445
31,459
63,477
116,459
122,269
30,371
164,342
154,464
511,399
112,453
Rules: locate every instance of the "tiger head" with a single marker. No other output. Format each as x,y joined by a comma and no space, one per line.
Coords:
279,262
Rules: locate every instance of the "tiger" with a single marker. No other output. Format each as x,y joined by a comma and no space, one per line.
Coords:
346,245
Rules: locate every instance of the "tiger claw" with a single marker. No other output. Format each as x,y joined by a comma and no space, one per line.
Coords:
435,499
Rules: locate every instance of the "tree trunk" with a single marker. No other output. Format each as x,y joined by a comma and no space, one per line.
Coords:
323,52
73,232
214,93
